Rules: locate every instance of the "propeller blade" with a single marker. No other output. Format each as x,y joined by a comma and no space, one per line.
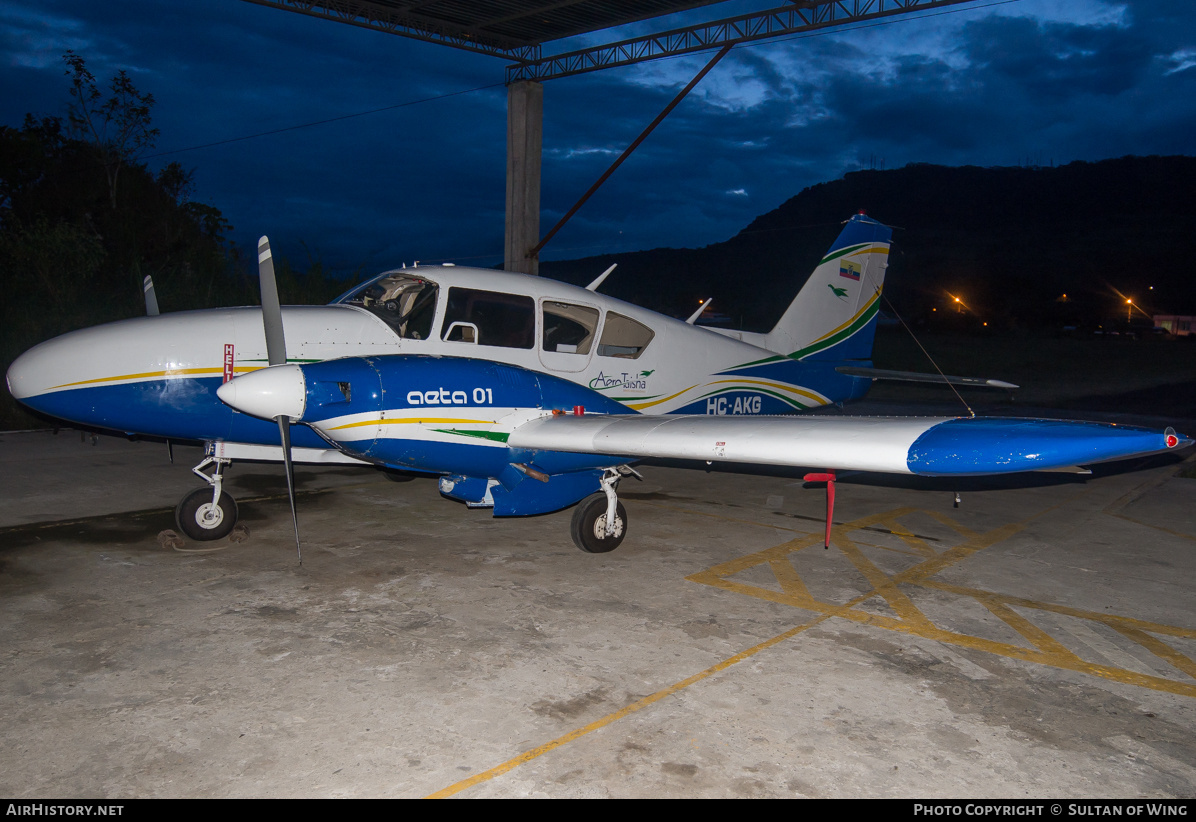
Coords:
276,354
151,299
276,347
284,431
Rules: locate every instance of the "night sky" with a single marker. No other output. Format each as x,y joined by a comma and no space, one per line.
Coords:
1007,83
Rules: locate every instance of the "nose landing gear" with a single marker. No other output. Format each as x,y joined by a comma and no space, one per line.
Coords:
209,513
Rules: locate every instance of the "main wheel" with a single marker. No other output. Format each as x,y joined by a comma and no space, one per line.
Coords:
589,525
199,519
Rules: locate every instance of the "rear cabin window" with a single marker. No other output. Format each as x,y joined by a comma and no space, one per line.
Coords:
623,337
490,318
568,328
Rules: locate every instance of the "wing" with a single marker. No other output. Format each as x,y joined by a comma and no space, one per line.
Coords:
928,446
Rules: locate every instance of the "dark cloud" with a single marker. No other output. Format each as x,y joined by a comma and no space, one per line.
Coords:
1030,81
1053,62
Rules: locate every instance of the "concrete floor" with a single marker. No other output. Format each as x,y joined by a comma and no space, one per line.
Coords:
1038,641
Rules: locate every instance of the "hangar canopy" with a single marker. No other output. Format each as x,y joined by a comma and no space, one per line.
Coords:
506,28
516,30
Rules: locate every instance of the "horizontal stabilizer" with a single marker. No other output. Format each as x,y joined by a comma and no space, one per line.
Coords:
918,376
928,446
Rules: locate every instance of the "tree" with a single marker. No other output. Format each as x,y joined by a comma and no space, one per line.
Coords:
118,127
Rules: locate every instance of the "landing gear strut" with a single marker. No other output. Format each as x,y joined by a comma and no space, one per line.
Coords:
600,521
207,513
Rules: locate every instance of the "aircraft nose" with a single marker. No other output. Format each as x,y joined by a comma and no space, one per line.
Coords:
40,370
277,391
22,375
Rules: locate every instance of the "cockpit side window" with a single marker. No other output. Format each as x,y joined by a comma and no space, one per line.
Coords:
490,318
623,337
405,303
568,328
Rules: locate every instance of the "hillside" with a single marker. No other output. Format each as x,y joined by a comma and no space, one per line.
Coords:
1009,241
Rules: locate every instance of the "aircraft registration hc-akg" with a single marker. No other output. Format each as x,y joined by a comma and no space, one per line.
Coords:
528,395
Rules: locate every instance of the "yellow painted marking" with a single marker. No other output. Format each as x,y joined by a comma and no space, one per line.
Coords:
909,619
156,375
968,533
1159,648
909,538
818,398
839,328
637,406
640,704
412,421
883,584
789,578
780,386
173,372
1026,628
1041,647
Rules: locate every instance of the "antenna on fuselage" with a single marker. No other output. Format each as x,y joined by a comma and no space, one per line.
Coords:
594,285
693,318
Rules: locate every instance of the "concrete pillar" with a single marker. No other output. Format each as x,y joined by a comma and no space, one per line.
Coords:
525,126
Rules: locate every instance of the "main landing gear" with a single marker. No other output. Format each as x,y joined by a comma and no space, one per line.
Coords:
207,513
600,521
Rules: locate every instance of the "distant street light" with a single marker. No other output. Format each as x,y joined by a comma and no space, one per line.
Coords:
1129,306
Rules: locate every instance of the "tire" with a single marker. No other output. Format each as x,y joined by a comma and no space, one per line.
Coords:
198,519
588,528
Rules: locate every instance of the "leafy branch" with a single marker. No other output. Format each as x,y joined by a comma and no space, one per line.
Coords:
119,127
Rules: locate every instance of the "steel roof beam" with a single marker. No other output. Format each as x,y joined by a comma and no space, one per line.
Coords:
408,24
800,16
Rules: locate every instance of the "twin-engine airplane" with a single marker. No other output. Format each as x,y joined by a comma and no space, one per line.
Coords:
527,395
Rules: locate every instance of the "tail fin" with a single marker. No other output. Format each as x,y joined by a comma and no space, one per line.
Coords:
833,317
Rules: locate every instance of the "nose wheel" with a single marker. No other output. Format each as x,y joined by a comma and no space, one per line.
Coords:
208,513
203,519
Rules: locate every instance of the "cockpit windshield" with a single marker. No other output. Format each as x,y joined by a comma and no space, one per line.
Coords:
403,301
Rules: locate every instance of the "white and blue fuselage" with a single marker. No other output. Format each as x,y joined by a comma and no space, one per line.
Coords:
525,394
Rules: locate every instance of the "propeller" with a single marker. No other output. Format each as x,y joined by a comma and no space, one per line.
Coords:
276,354
151,299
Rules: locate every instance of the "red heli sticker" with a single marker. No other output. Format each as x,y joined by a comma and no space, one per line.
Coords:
1172,440
228,361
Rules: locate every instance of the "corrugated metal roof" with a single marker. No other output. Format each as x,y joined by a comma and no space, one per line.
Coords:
500,24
